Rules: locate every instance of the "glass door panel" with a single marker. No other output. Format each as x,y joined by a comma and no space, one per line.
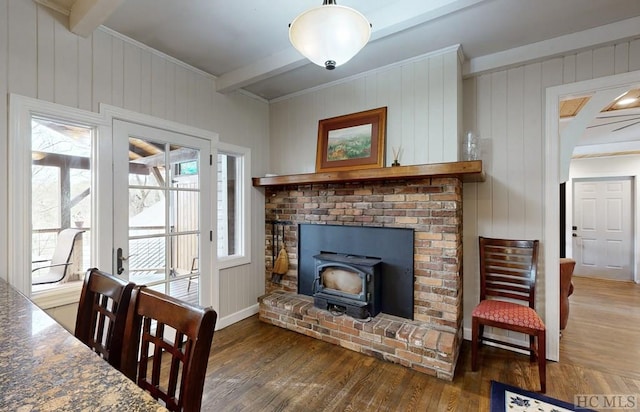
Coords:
163,242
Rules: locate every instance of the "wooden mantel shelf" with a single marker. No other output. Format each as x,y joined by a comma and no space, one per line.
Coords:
467,171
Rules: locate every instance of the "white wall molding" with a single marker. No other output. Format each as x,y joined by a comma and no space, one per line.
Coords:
113,112
456,47
552,179
570,43
237,317
151,50
173,60
467,335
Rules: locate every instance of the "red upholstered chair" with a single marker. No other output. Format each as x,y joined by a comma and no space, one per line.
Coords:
507,298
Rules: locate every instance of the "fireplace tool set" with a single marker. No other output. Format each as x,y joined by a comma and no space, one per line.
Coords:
280,264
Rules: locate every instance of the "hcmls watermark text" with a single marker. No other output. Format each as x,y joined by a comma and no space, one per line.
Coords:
609,401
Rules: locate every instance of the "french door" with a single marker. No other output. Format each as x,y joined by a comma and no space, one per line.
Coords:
161,196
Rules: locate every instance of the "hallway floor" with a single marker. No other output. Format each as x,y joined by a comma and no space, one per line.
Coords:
603,331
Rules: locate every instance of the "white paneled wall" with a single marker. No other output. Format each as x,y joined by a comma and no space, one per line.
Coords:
507,108
422,112
40,58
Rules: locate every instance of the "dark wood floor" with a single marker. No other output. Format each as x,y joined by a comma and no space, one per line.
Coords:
258,367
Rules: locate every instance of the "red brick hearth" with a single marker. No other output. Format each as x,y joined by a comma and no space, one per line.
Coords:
432,207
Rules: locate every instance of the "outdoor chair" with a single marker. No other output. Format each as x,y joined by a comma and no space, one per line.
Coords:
194,272
57,269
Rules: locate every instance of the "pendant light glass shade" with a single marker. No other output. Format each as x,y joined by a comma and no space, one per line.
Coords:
329,35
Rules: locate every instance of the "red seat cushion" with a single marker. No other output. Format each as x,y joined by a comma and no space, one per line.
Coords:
508,313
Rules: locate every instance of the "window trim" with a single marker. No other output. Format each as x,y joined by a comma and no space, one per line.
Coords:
61,295
21,111
243,155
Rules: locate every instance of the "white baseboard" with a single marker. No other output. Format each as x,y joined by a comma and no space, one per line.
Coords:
521,342
237,317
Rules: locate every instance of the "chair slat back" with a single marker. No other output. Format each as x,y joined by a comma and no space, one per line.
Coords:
102,313
166,349
508,269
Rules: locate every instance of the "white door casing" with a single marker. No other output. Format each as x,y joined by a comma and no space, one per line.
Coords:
553,160
123,235
603,235
19,205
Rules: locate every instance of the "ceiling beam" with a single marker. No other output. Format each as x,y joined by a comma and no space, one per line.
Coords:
557,46
386,21
270,66
55,6
88,15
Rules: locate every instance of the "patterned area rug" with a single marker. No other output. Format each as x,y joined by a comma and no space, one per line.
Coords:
510,398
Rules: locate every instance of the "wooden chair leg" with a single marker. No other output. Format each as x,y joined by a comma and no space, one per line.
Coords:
532,348
542,360
474,344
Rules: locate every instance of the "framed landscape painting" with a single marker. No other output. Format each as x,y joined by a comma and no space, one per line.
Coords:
351,142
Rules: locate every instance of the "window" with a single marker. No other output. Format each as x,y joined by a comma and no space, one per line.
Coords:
62,181
61,199
232,205
52,195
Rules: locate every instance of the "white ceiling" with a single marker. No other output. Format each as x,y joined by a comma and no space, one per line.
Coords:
245,44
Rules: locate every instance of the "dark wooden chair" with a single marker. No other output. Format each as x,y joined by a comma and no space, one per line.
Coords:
166,347
102,313
507,298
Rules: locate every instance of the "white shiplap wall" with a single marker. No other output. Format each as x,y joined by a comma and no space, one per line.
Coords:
507,107
422,112
40,58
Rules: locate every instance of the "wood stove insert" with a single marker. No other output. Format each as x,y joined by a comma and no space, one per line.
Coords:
347,284
392,246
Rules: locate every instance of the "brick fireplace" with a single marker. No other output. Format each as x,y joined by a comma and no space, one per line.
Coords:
432,208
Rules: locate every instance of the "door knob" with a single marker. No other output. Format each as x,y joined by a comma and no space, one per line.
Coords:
119,260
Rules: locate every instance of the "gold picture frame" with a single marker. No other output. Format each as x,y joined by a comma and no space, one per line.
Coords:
351,142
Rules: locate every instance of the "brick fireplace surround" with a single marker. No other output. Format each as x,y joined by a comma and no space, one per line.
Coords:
432,207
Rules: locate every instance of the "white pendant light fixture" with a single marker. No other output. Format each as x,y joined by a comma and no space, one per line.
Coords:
329,35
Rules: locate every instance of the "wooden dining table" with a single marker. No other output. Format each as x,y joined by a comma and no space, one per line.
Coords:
43,367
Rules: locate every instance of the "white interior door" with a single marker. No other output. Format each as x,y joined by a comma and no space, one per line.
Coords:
162,218
603,227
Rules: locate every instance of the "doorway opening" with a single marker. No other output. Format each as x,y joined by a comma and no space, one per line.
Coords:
558,156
